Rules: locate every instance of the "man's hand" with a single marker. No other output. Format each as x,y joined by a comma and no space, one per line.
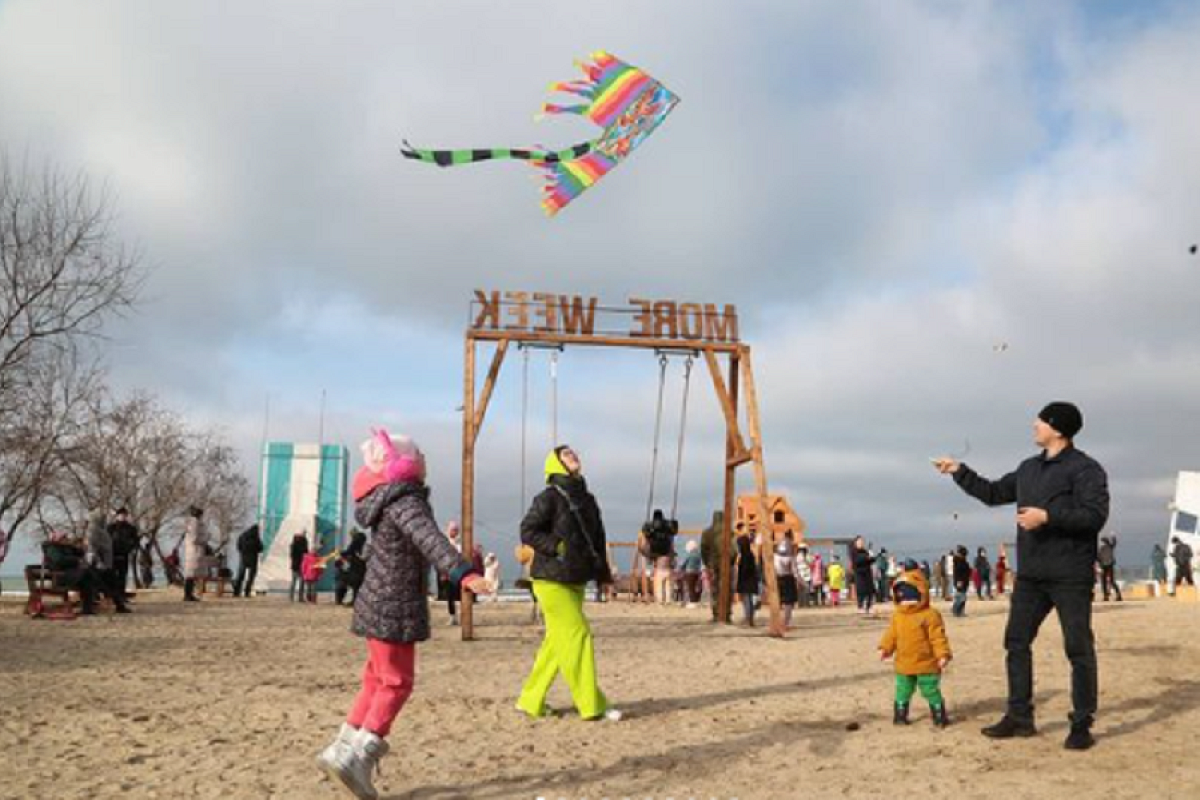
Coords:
884,655
946,465
942,662
1030,519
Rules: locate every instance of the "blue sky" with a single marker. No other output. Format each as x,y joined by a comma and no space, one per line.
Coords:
886,190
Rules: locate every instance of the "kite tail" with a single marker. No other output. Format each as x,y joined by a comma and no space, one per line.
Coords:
567,179
450,158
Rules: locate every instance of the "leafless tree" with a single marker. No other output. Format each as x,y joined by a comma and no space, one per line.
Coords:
50,400
63,272
140,455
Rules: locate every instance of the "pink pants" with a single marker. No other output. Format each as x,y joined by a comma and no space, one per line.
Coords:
835,596
387,683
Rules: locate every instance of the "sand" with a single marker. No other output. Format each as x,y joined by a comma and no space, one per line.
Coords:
233,698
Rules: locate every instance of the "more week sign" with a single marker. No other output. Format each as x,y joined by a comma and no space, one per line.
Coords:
574,315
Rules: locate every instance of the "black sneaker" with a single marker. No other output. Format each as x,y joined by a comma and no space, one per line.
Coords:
1008,727
1080,738
900,714
939,716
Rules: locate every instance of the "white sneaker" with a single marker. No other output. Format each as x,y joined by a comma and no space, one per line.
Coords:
613,715
356,769
338,751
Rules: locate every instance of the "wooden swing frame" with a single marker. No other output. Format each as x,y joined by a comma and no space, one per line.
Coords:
728,391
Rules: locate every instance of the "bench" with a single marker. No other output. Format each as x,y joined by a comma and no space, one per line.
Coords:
222,583
45,583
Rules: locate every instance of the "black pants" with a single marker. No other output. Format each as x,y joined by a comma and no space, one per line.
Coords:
243,584
121,571
1108,580
1032,601
1184,575
341,587
864,590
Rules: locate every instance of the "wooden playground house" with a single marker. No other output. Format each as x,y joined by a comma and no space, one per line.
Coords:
779,514
700,331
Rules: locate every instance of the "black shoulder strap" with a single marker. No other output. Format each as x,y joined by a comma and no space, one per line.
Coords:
578,519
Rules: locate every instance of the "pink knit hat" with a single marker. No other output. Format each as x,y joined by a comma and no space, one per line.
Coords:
388,460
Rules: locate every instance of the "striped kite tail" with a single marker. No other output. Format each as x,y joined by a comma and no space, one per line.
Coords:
451,158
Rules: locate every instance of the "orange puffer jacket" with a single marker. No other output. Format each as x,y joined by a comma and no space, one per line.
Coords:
917,635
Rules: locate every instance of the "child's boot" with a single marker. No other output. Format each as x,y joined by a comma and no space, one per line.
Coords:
338,751
940,719
900,714
361,760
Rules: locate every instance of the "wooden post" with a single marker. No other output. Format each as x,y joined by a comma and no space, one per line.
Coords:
732,443
467,523
767,549
489,384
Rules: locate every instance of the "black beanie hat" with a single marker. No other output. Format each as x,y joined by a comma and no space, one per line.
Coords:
1065,418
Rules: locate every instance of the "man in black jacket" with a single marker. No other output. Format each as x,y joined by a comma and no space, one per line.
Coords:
1062,505
125,538
250,547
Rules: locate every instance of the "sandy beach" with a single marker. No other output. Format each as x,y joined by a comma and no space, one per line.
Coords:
232,699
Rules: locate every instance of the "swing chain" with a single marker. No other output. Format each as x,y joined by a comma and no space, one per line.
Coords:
662,382
687,382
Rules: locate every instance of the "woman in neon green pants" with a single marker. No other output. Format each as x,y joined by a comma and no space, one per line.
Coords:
564,529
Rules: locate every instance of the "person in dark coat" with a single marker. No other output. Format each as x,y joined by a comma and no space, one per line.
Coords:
249,547
68,559
1062,504
1181,554
962,581
570,549
1106,557
125,538
983,574
100,559
861,561
747,576
392,501
298,549
351,568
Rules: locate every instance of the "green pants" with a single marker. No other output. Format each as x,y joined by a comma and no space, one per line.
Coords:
930,686
568,649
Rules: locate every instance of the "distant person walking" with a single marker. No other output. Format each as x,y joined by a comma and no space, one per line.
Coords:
747,577
1158,564
692,567
1181,553
195,553
837,581
939,578
983,574
125,538
962,581
249,547
861,562
1107,559
296,553
1062,503
1001,572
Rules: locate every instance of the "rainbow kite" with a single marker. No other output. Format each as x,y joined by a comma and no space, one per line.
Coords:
623,100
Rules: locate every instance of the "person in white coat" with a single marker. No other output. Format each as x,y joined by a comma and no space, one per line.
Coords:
195,553
491,572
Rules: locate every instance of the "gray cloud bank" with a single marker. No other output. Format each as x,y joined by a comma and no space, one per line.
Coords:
887,193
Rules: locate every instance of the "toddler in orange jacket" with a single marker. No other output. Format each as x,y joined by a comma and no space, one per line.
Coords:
917,639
